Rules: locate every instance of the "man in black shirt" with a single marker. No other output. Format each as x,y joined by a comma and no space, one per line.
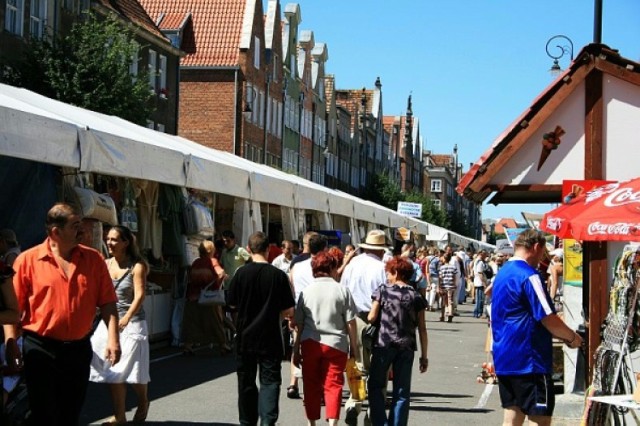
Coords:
261,295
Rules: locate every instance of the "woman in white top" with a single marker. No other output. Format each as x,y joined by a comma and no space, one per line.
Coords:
128,271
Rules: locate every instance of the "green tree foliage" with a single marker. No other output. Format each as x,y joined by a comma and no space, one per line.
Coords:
89,67
387,193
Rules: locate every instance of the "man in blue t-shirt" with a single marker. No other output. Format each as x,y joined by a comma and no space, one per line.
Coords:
523,322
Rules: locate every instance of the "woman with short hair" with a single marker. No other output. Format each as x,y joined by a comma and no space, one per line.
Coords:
326,334
401,311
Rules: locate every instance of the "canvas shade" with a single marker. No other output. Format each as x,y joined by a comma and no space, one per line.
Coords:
608,213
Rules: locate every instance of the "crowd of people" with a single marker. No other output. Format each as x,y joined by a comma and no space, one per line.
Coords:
367,303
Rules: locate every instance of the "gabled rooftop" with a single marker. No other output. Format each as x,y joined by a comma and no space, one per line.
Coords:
132,11
481,180
213,39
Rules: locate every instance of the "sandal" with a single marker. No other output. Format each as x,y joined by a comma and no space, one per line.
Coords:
293,393
113,421
225,350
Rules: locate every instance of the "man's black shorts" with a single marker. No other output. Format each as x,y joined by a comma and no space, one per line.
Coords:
531,393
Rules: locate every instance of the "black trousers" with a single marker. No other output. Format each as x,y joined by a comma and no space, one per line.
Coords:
57,375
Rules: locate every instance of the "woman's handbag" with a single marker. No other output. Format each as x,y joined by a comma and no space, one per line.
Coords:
211,297
355,380
370,333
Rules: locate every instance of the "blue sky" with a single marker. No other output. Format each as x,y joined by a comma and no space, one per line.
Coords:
472,66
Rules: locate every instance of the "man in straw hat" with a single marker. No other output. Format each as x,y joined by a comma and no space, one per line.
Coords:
364,274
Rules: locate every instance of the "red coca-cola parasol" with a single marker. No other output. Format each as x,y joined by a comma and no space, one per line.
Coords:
607,213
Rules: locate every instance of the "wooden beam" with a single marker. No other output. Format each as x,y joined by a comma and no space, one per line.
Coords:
630,76
525,188
495,164
595,254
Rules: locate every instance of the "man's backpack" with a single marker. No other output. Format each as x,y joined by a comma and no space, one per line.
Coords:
488,271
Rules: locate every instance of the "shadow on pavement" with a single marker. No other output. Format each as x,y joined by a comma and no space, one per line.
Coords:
438,395
168,376
450,409
189,423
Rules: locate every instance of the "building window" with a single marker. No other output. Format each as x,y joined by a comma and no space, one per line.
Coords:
436,185
133,67
153,73
38,18
437,203
163,76
274,68
13,16
256,52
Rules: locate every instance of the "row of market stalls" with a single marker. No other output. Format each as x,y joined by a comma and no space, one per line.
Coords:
46,145
40,129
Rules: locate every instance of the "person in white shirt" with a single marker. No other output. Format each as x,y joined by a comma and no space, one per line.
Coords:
480,282
362,276
462,289
283,261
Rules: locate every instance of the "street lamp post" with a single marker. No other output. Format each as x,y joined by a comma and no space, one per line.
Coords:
562,49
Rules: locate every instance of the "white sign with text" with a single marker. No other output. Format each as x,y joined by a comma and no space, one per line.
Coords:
410,209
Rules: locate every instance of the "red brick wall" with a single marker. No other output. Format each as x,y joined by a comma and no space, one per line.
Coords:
207,100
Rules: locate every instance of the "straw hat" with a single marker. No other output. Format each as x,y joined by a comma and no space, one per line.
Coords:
557,252
376,240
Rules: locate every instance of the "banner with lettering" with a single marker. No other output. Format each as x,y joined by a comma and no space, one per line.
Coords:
572,262
610,212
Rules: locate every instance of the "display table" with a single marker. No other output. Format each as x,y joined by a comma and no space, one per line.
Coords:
157,306
617,400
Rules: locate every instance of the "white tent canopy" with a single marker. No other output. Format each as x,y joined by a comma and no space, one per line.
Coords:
37,128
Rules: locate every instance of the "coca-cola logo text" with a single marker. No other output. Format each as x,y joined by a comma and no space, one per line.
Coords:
622,197
620,228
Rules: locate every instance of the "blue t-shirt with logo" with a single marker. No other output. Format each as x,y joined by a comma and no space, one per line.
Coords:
521,344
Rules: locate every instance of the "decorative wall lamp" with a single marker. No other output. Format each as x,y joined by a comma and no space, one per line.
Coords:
563,49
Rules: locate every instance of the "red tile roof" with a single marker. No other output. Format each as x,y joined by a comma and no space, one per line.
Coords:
172,20
213,38
132,11
441,160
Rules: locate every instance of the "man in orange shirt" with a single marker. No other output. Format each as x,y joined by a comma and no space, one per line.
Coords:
59,284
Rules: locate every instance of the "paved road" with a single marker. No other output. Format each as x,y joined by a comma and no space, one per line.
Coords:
202,389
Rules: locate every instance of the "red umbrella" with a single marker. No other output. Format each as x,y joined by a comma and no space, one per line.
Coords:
607,213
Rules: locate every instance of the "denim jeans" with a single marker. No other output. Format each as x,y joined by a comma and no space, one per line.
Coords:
477,312
251,402
401,360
